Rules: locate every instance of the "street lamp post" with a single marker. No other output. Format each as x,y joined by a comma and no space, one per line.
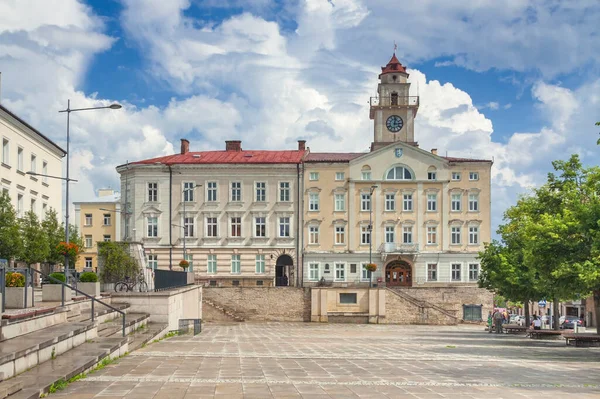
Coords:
371,233
68,111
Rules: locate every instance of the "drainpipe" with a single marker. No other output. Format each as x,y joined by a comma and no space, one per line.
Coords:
170,218
298,255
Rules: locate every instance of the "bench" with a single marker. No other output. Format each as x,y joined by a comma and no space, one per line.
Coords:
582,339
514,329
540,334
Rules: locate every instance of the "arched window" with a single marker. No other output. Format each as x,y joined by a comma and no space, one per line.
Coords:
394,98
365,172
432,173
399,173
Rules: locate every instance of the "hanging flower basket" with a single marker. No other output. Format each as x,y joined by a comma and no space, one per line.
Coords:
68,249
184,264
371,267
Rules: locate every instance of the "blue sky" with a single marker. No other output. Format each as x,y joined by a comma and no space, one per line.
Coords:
516,81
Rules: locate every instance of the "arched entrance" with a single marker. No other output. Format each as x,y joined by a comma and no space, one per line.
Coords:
283,269
398,273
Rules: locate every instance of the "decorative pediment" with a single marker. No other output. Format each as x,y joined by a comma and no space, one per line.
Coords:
313,221
432,190
340,190
407,222
456,190
431,222
389,222
456,222
313,190
390,190
474,222
474,190
340,221
408,191
151,210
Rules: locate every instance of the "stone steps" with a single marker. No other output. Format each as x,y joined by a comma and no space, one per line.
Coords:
224,310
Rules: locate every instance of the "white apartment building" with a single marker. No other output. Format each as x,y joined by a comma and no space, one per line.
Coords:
25,149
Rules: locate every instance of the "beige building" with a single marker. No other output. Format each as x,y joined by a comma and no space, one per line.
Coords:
420,217
233,214
97,220
25,149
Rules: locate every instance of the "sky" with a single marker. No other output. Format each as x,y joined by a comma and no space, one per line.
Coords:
515,81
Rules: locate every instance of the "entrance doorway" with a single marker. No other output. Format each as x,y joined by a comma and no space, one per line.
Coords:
283,268
398,273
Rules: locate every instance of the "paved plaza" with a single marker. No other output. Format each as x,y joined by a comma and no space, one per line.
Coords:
286,360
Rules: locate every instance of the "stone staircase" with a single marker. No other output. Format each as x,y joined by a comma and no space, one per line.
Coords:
224,310
424,306
53,344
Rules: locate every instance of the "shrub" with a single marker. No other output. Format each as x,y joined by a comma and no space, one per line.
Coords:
14,279
58,276
88,277
184,264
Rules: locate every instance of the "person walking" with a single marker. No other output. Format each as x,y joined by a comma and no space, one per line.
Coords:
490,322
498,321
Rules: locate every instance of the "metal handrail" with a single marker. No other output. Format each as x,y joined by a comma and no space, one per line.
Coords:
84,294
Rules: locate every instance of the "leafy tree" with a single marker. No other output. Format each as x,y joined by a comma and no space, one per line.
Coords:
115,262
11,243
54,235
35,243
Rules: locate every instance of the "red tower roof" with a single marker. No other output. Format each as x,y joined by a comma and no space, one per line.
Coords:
394,66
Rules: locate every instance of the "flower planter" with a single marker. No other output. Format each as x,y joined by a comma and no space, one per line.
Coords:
53,293
15,297
92,289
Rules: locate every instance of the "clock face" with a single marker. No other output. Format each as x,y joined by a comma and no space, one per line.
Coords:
394,123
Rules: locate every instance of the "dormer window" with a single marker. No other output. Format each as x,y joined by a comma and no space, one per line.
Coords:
399,173
394,77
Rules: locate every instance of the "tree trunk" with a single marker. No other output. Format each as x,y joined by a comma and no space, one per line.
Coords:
597,310
527,315
555,314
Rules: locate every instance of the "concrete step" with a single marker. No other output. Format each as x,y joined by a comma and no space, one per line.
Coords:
114,327
38,380
101,313
150,332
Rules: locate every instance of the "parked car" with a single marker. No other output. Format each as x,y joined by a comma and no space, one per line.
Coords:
570,321
519,320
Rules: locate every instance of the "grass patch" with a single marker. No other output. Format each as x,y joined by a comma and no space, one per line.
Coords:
58,386
167,335
450,346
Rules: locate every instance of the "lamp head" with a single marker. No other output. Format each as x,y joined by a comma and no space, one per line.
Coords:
115,106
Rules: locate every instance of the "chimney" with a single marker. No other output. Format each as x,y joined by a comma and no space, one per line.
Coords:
301,145
233,145
434,151
185,146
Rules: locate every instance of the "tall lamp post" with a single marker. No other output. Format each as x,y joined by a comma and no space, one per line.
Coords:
371,233
186,190
68,111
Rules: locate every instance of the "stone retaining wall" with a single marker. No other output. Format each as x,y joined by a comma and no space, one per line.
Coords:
263,304
402,311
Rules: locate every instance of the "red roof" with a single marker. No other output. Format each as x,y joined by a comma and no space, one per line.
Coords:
228,157
452,159
393,66
332,156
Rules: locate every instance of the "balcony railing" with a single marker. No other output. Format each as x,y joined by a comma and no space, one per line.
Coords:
411,101
398,248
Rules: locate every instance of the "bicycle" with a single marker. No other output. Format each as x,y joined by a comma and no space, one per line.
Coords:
129,284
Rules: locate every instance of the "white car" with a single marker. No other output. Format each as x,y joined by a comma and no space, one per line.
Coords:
519,320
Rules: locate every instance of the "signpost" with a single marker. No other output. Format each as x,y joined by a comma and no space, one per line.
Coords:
542,303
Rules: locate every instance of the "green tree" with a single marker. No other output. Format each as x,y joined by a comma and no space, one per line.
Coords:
11,243
75,238
35,242
54,235
115,262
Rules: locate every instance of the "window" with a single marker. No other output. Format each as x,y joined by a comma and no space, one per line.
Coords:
261,191
105,219
188,227
455,176
456,271
236,267
455,235
33,163
313,176
431,235
432,272
260,227
407,202
407,235
340,235
20,159
473,176
340,202
339,176
211,227
365,202
152,226
20,205
88,241
152,192
44,209
313,234
431,175
364,273
153,261
472,312
313,201
188,191
432,202
236,191
88,263
236,226
235,283
365,235
473,202
211,264
366,175
390,234
260,264
284,191
106,237
352,268
284,227
455,202
88,219
33,205
5,152
211,191
399,173
473,235
390,202
340,272
313,271
348,297
473,272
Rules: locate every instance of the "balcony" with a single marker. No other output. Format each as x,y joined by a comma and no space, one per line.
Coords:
392,248
388,101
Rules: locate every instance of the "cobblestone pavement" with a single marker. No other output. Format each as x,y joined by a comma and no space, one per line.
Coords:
287,360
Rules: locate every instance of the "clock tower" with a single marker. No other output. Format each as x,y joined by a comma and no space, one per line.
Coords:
393,110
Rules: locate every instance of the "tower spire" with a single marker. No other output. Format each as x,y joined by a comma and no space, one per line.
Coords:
395,47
